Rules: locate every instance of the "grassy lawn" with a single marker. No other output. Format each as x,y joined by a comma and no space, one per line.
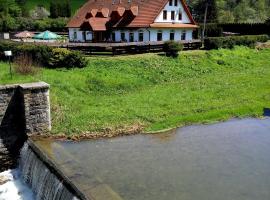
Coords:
155,91
75,4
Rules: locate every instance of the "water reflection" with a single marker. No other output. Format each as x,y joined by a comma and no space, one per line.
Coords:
223,161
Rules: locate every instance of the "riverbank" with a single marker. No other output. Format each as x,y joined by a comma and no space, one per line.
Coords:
150,92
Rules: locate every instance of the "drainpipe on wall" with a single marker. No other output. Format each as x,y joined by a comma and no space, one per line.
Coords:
149,32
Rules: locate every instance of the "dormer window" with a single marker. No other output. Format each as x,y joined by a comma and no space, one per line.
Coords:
164,14
180,16
170,2
175,2
173,15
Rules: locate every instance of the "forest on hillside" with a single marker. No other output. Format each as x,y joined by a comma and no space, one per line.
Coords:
231,11
42,15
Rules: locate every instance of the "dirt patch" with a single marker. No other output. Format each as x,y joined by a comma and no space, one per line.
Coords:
104,133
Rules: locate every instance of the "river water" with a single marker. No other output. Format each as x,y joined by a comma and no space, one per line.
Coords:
223,161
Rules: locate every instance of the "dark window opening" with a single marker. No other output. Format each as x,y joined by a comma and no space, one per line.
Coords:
159,36
171,2
180,16
113,36
175,2
141,36
164,14
131,37
183,35
123,36
173,15
172,35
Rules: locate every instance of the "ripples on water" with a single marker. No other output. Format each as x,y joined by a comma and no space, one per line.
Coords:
13,188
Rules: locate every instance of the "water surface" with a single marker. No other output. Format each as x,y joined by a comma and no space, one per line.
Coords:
224,161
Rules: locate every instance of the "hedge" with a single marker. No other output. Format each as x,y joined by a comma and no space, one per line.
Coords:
172,48
45,56
231,41
217,29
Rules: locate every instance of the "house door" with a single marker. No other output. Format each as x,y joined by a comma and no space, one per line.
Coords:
99,36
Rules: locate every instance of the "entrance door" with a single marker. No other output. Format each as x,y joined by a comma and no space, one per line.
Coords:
99,36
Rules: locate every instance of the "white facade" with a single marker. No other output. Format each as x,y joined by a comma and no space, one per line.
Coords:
76,35
173,7
178,10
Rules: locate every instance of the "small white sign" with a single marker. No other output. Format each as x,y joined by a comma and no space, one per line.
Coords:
6,36
8,53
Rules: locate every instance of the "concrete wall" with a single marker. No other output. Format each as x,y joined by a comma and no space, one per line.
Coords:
24,110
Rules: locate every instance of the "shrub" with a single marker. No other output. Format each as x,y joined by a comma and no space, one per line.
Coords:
43,55
24,64
230,42
66,59
172,48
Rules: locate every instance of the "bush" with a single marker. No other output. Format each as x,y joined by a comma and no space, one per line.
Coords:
67,59
230,42
172,48
43,55
24,64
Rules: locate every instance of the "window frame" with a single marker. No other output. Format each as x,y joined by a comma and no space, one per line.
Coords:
180,15
113,36
131,37
172,35
160,36
141,36
123,36
75,35
183,35
165,15
172,15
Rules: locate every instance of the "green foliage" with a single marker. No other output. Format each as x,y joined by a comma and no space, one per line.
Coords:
230,42
45,56
158,92
63,58
60,9
231,11
172,48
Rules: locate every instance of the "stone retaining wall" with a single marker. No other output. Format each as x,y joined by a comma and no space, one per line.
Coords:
24,110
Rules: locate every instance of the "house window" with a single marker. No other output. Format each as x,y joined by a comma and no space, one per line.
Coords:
159,36
172,35
141,34
75,36
183,35
123,36
131,37
175,2
113,36
164,14
180,15
171,2
173,15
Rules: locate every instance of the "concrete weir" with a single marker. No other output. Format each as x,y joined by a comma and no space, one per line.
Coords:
24,112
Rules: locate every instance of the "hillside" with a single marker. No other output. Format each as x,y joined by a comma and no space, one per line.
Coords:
75,4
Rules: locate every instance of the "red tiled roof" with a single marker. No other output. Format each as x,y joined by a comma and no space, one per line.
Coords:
131,13
98,23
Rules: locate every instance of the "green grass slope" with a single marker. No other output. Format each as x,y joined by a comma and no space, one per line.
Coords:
75,4
155,91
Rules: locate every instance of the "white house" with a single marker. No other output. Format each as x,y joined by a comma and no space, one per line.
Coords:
132,21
